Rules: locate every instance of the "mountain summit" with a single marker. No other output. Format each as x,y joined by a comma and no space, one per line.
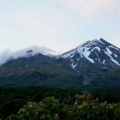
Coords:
91,57
95,51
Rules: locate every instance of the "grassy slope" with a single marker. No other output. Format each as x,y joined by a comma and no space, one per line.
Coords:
111,78
18,73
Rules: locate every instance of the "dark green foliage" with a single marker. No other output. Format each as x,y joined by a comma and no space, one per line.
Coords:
11,106
84,108
14,98
109,98
37,97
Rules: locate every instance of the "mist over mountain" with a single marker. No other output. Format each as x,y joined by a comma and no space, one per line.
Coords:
8,54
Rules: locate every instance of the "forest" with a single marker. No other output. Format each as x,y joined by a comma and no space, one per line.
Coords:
13,99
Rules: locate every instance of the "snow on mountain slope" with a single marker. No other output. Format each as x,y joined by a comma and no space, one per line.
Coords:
95,51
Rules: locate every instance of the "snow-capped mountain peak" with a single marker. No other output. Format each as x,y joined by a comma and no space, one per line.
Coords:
95,51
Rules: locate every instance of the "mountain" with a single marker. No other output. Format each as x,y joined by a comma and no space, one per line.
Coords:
81,65
91,57
36,69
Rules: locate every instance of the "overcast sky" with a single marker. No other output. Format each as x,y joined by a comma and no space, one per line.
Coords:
58,24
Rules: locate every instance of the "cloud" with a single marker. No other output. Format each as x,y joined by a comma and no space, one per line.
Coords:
7,53
4,55
42,50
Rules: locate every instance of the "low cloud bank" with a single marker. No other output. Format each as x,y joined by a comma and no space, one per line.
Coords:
8,54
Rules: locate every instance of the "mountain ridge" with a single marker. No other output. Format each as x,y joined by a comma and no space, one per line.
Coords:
79,65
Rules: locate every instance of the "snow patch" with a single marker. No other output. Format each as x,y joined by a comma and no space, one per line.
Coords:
112,59
68,54
101,42
72,55
104,61
85,52
115,61
73,66
96,54
95,42
115,55
95,48
108,51
114,47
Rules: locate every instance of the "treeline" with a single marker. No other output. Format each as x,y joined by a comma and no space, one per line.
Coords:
14,98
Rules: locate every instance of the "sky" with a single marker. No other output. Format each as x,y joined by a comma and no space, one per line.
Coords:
58,24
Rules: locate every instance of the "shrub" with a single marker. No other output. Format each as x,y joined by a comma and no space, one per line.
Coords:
84,108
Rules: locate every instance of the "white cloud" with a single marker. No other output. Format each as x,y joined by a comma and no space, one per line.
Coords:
7,53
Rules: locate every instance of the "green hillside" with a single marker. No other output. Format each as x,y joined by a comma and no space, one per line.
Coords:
111,78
